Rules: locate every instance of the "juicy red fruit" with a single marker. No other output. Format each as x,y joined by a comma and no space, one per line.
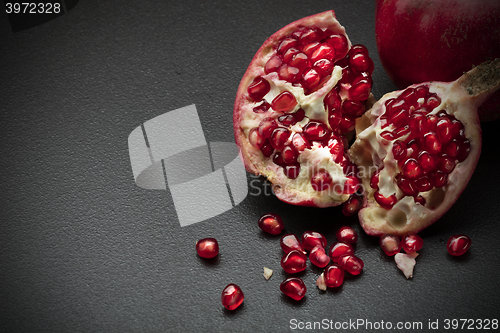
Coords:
207,247
232,296
412,242
339,249
271,223
457,245
290,242
390,244
334,276
347,234
310,239
350,263
294,288
294,262
318,257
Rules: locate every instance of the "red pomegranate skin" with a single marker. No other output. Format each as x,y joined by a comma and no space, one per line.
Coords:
438,40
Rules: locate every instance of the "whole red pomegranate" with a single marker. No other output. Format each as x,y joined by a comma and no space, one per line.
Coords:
438,40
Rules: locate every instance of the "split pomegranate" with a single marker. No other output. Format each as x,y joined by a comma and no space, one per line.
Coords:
457,245
347,234
294,262
310,239
338,249
318,257
294,288
390,244
290,242
419,148
295,106
420,43
350,263
207,247
333,276
232,296
412,242
271,223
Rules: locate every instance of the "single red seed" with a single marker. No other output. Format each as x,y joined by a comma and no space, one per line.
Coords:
267,150
427,161
287,119
352,205
321,180
273,64
444,130
279,137
207,247
374,180
289,154
360,62
411,168
315,130
299,142
387,135
347,234
400,118
284,102
385,202
439,178
318,257
406,185
278,160
338,249
290,242
286,44
340,44
347,124
351,264
457,245
310,239
353,108
446,163
417,123
292,171
262,108
232,296
299,60
334,276
332,100
464,150
399,150
351,185
360,91
256,140
258,88
290,74
323,51
412,242
401,131
294,288
420,200
271,223
410,97
294,262
310,35
324,67
432,101
309,48
390,244
310,78
452,148
423,184
266,127
393,106
287,57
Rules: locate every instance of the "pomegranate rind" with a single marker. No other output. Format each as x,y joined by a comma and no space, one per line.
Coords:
461,98
294,191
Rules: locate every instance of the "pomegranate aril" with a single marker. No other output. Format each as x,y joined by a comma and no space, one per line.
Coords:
374,180
294,288
290,242
360,62
387,135
421,91
332,100
323,51
390,244
385,202
360,91
310,48
439,178
351,185
444,130
279,137
294,262
347,234
286,44
420,200
401,131
409,96
352,205
338,249
284,102
271,223
353,108
267,150
292,171
207,247
310,35
299,60
299,142
333,276
273,64
311,239
278,160
427,161
464,150
318,257
262,108
324,67
290,74
452,148
457,245
423,184
256,140
393,106
315,130
232,296
340,44
347,124
287,119
258,88
417,123
411,169
412,242
310,79
406,185
289,54
266,127
400,118
446,163
457,129
321,180
432,101
351,264
289,154
398,150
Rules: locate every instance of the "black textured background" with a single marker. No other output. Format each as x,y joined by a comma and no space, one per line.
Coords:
83,249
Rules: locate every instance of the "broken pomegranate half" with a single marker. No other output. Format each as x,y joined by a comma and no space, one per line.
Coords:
417,148
296,106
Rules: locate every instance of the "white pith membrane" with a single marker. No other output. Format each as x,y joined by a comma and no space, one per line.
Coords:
460,99
317,158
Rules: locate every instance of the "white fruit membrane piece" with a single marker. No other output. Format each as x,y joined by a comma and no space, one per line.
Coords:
267,273
406,262
320,282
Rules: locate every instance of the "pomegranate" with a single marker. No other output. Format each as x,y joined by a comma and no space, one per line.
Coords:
390,244
294,288
271,223
297,104
310,239
333,276
232,296
347,234
318,257
418,148
350,263
290,242
457,245
437,40
207,247
294,262
338,249
412,242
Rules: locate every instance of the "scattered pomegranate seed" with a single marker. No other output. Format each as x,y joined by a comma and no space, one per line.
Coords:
232,296
290,242
412,242
391,244
271,223
310,239
318,257
350,263
294,288
207,247
347,234
333,276
352,205
294,262
338,249
457,245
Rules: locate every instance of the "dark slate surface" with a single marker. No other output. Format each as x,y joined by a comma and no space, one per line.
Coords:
83,249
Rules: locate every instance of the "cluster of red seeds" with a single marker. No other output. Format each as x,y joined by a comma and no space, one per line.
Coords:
427,145
306,58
